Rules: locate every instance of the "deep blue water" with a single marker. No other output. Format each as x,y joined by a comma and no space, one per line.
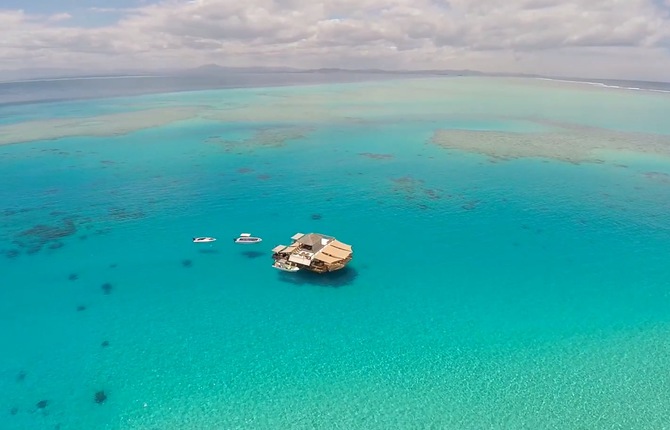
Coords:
64,89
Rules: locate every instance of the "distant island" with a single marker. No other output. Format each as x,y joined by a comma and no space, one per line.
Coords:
216,70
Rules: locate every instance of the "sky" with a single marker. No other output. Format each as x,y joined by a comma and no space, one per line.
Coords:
619,39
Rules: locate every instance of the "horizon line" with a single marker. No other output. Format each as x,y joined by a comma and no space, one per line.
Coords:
78,74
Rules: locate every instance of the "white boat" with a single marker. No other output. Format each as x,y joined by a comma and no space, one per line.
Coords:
247,238
203,239
285,266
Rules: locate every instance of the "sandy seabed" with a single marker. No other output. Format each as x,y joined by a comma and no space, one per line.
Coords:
552,112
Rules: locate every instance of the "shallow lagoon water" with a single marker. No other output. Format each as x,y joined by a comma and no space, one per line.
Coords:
484,292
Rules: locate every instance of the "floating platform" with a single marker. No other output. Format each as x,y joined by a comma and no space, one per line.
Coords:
314,252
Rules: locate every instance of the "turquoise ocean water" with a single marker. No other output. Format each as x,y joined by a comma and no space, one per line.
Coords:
527,293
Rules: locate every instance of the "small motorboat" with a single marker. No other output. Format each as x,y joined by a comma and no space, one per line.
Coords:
203,239
247,238
285,266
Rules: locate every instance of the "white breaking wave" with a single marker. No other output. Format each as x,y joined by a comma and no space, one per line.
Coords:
601,85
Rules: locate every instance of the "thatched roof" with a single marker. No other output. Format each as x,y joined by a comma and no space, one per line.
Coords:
336,243
326,258
311,239
335,252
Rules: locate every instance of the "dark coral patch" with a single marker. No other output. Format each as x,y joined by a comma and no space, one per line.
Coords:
21,376
12,253
253,254
33,250
72,277
104,344
122,214
51,191
316,216
113,266
471,205
56,245
406,183
107,288
50,232
40,235
186,263
14,411
264,177
100,397
42,404
81,308
376,156
661,177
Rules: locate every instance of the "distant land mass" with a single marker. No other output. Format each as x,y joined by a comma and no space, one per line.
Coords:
215,69
215,72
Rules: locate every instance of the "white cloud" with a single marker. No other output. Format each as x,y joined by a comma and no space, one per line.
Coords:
59,17
624,38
